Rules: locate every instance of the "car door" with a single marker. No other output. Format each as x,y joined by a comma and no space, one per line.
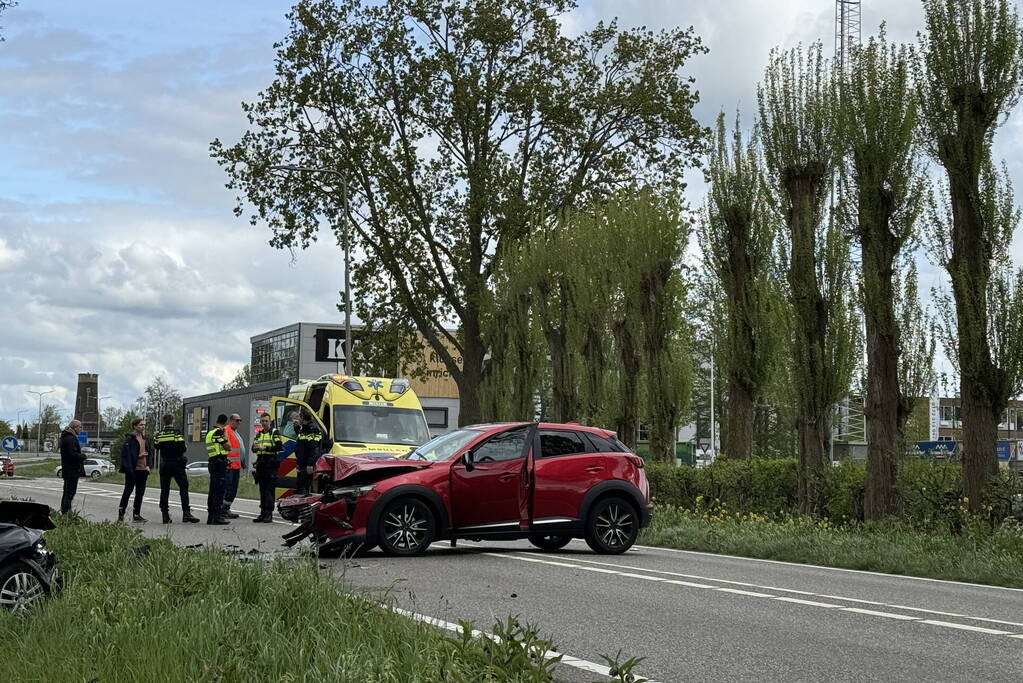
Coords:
282,410
565,468
488,496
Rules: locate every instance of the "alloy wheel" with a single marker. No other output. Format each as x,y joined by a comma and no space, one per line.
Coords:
406,527
20,591
614,525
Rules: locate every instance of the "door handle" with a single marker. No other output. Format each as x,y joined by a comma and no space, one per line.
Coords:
507,476
593,469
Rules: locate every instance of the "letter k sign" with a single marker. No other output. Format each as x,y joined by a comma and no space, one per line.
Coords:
336,349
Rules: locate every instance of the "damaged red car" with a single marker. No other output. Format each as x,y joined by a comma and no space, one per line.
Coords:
548,483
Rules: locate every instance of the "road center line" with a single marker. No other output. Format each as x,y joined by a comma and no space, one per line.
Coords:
747,593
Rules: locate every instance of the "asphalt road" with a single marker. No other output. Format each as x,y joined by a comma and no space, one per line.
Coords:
690,615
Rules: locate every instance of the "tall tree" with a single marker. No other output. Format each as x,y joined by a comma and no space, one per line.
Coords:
884,191
6,429
969,74
159,398
433,128
797,102
737,237
241,380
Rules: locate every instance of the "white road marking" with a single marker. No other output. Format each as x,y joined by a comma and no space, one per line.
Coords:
584,565
569,660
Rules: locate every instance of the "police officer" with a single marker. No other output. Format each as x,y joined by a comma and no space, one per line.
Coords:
307,451
171,446
267,446
217,449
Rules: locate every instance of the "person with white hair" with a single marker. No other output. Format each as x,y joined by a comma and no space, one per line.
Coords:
72,463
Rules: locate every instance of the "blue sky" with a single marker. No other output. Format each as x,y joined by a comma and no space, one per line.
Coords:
119,252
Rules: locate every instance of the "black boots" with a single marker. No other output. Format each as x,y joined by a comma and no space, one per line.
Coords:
138,518
166,517
264,518
120,514
187,517
216,520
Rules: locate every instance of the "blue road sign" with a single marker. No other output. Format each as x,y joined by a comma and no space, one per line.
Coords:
83,437
9,444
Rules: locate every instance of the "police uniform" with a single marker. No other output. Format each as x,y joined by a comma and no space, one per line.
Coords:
171,446
217,450
307,452
267,445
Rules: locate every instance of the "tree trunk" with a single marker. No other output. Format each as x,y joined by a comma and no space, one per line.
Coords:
814,440
739,429
628,414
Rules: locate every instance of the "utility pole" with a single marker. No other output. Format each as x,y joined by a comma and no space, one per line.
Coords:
713,449
99,423
39,426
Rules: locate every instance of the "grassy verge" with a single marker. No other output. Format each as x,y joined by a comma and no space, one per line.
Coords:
977,555
138,609
43,468
246,487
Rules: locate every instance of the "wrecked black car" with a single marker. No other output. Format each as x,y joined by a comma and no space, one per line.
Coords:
27,569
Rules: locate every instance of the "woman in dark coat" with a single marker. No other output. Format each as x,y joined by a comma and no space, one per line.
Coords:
135,454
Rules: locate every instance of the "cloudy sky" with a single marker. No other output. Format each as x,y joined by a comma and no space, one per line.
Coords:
119,252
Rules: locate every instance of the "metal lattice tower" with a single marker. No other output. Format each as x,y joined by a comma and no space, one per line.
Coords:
847,31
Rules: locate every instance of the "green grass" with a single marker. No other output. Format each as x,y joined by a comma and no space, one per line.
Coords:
978,555
43,468
139,609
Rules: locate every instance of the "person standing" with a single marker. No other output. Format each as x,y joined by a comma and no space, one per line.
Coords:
135,455
217,449
170,444
71,464
234,464
267,446
307,451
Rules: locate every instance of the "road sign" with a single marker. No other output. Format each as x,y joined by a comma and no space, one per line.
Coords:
9,444
83,437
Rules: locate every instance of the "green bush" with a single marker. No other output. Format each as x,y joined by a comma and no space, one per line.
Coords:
930,494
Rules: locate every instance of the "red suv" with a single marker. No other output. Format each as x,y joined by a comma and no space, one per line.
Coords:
548,483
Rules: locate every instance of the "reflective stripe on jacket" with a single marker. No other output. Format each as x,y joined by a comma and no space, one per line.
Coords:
216,443
234,455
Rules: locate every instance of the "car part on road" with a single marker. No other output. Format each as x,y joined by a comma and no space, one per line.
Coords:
612,526
549,541
27,569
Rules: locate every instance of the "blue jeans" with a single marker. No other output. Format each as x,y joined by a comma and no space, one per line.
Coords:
231,487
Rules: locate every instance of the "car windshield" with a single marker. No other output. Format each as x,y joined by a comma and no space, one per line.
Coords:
445,446
383,424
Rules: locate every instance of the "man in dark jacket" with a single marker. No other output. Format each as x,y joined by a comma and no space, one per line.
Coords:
307,451
171,447
72,463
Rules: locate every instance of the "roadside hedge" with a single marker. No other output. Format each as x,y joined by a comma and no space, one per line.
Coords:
930,494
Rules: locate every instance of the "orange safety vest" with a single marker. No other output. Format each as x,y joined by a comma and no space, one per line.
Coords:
234,456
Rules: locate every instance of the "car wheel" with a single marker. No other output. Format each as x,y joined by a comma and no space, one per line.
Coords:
612,526
407,527
20,588
549,541
95,474
59,471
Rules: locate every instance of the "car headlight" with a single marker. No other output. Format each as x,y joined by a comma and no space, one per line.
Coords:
352,491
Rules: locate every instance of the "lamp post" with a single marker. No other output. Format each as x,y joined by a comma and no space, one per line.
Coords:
345,232
39,427
99,423
19,421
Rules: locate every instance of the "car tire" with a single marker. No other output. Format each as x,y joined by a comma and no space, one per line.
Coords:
549,541
20,588
95,474
407,527
59,470
612,526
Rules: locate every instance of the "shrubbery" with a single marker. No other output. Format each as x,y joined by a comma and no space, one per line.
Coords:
930,494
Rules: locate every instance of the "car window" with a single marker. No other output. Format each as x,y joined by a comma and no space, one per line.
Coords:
91,462
609,445
500,447
554,443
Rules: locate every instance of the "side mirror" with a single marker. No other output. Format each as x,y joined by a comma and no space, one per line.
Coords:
467,460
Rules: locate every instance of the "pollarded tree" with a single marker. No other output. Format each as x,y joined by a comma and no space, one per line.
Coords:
883,197
797,102
737,235
450,122
969,73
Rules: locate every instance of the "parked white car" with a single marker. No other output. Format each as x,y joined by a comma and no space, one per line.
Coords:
199,468
94,469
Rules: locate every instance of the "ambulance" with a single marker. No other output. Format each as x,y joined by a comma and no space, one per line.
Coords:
357,415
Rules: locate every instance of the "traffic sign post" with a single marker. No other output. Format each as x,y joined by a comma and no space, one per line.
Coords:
9,444
83,437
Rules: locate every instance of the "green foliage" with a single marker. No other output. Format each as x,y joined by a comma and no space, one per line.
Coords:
241,380
6,429
201,615
436,130
121,430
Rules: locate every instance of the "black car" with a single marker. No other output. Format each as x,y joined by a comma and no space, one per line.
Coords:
27,569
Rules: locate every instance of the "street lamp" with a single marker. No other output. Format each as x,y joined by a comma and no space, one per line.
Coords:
39,427
347,250
99,422
19,420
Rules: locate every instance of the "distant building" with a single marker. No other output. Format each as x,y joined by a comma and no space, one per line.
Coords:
86,400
